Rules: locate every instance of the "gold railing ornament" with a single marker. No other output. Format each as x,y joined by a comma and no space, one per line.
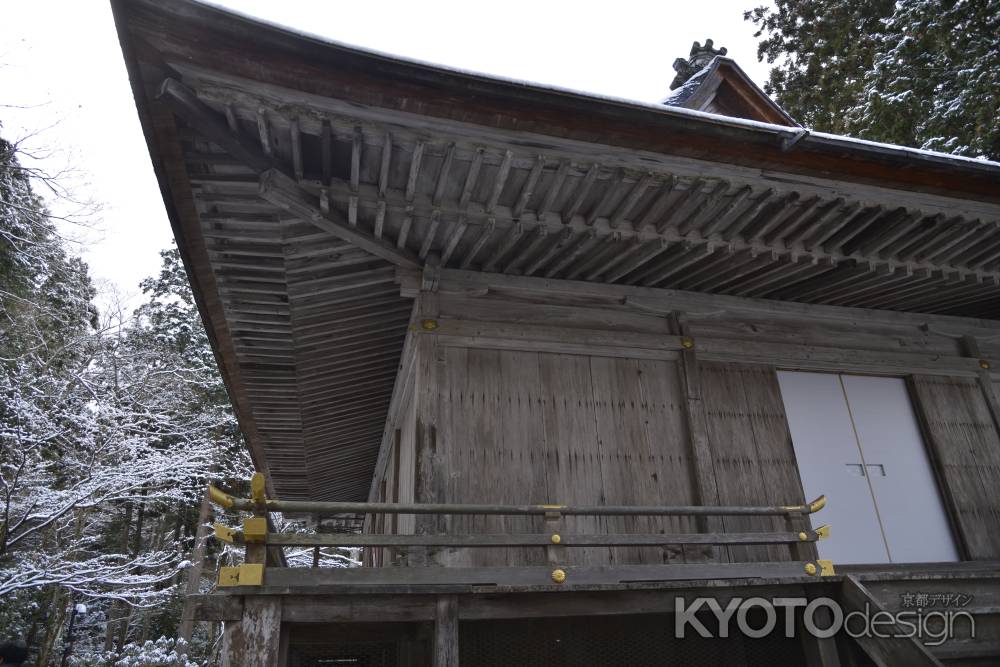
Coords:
257,539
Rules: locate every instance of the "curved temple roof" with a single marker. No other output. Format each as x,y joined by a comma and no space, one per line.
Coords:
300,176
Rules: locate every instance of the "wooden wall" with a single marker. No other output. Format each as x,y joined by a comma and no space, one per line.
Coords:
555,392
527,427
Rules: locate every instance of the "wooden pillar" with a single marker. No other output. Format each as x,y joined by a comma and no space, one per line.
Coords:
256,640
971,347
426,480
446,632
705,485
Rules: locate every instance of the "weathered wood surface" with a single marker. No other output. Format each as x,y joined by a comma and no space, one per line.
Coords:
406,174
281,581
964,445
751,448
894,650
255,640
564,430
888,583
705,486
493,540
446,632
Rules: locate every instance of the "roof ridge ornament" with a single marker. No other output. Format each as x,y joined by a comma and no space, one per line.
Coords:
697,60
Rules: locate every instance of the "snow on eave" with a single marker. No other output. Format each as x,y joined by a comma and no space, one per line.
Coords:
796,135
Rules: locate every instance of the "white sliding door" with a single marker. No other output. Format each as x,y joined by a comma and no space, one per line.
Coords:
856,440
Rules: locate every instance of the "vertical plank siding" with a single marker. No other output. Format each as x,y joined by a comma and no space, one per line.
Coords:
557,399
964,444
751,449
544,428
573,459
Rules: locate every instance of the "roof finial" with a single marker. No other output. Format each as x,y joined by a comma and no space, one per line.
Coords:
700,57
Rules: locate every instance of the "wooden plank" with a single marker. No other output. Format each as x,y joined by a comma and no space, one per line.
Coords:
522,433
571,446
446,632
628,470
425,426
538,539
705,485
778,469
363,580
898,648
664,418
735,458
972,349
665,301
964,446
215,607
421,607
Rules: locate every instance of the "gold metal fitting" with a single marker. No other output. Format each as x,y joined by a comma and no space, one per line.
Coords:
817,504
255,529
219,497
558,576
556,539
803,537
811,569
257,485
247,574
224,533
985,365
822,532
687,342
826,568
428,325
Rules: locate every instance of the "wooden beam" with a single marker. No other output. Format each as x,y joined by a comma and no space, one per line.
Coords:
197,114
582,189
528,189
897,649
446,632
971,346
284,193
415,161
706,486
499,181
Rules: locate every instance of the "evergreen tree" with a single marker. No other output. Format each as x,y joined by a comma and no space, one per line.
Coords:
110,426
914,72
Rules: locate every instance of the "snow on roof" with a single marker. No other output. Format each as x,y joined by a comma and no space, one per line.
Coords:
662,107
684,92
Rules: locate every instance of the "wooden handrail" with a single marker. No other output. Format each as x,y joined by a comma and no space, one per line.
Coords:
333,508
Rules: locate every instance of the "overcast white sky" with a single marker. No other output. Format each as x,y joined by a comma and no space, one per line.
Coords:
61,61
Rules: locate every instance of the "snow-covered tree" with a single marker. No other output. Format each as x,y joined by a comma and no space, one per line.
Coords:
110,426
922,73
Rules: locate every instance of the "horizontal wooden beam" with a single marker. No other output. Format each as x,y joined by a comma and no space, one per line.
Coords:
533,539
332,508
283,581
664,301
539,338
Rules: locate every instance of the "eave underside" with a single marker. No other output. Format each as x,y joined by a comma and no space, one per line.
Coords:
316,324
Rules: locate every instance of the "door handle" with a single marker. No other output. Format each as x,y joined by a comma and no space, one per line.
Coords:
877,468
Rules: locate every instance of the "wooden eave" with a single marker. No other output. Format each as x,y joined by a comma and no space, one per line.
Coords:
299,176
